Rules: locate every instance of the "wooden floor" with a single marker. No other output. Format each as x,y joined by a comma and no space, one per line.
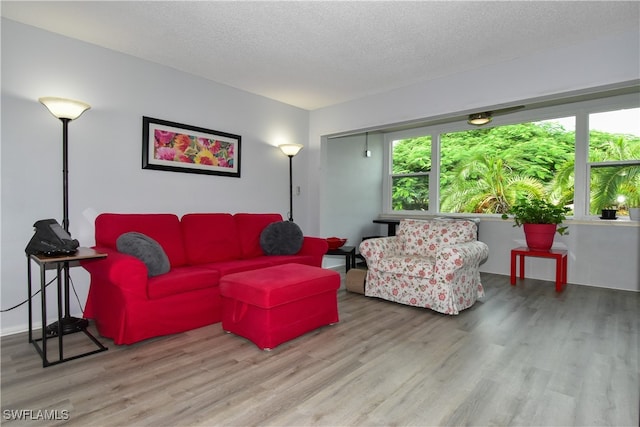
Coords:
523,355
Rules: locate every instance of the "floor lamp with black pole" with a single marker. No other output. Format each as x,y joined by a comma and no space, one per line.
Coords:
66,110
290,150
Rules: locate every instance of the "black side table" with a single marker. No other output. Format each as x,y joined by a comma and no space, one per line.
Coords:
349,252
61,264
391,225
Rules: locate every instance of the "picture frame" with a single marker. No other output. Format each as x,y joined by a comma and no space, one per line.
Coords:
176,147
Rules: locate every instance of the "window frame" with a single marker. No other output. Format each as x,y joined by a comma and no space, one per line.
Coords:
590,166
580,110
607,164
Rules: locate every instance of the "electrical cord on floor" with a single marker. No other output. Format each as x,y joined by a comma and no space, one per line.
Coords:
40,290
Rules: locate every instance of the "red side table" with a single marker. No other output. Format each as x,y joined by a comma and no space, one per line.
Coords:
560,255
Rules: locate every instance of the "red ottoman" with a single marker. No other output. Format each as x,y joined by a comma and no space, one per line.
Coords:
276,304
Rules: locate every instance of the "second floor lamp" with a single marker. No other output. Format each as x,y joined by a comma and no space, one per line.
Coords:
290,150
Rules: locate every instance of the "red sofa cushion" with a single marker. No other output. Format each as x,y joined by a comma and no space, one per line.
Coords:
163,228
295,259
249,227
281,284
238,265
210,237
180,280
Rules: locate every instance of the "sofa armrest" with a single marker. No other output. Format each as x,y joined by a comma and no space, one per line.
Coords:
450,258
375,249
123,271
314,246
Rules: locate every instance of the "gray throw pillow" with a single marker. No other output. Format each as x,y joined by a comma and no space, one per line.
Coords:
147,250
281,238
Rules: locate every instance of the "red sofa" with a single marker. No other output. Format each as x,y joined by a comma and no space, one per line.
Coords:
128,306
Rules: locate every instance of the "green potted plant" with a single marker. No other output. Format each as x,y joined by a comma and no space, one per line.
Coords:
540,219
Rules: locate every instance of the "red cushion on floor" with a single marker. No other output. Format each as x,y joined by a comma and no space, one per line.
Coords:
281,284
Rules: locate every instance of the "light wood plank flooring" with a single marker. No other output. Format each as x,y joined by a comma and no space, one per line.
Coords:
522,355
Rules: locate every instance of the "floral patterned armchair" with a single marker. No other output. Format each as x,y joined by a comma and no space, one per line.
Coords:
429,263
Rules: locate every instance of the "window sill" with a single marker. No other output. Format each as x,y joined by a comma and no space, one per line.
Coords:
620,222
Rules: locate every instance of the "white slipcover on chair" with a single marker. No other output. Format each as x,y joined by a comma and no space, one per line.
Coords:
429,263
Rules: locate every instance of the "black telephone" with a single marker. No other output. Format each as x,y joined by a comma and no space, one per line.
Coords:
51,240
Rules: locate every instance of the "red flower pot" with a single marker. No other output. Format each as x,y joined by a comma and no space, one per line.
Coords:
539,237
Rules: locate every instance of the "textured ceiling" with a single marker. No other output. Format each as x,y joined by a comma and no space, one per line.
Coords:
321,53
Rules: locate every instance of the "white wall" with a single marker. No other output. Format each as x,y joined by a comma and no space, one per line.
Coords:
353,184
604,255
105,148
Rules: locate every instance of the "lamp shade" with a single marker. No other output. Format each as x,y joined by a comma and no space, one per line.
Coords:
290,149
64,108
479,119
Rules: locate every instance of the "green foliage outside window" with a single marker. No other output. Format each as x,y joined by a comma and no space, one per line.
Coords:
411,157
609,182
485,170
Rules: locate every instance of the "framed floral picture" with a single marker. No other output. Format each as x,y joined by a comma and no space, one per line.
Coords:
171,146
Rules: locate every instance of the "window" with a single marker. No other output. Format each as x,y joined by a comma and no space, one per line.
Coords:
554,154
614,160
411,166
483,170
